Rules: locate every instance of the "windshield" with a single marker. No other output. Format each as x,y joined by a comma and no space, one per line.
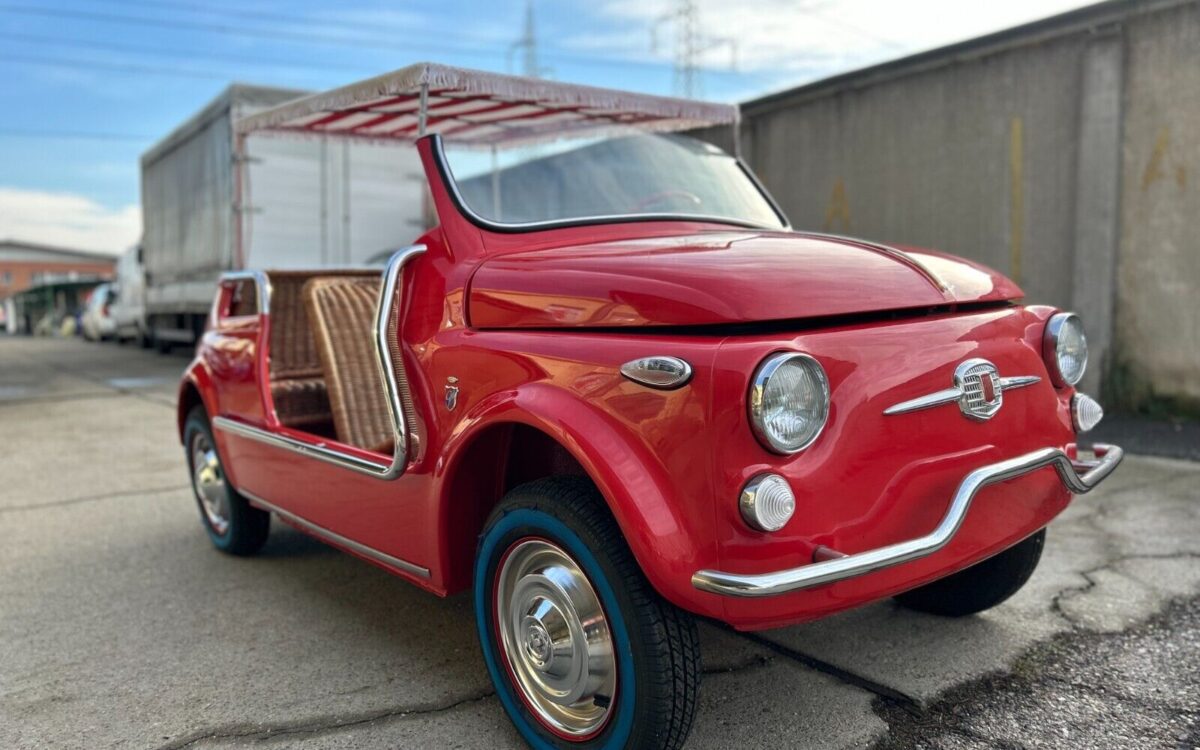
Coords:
642,175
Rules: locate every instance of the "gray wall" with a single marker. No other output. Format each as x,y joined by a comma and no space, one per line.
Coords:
1158,289
1026,151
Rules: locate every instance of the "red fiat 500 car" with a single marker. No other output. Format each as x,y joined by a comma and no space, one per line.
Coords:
612,390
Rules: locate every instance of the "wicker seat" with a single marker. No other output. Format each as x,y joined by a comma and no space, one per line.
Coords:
302,403
341,311
297,380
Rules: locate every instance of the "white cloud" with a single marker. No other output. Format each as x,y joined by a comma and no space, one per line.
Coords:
68,220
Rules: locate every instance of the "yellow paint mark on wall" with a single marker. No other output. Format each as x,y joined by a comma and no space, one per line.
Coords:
839,208
1016,198
1154,168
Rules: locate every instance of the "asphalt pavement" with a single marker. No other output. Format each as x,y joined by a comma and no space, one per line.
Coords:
120,626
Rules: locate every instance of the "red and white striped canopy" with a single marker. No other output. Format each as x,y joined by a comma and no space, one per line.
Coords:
474,107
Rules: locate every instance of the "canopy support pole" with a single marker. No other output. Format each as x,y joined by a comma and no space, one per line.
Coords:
495,184
423,111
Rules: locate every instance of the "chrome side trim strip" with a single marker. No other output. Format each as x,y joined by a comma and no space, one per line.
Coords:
318,451
323,533
840,568
954,393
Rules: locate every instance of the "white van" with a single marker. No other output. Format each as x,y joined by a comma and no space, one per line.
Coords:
128,308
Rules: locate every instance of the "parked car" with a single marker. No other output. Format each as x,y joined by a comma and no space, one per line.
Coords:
613,391
129,303
97,322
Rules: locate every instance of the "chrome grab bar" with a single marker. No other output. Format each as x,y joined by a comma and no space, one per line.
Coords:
849,566
387,369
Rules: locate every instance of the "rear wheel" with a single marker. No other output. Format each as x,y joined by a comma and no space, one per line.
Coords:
233,525
981,586
582,650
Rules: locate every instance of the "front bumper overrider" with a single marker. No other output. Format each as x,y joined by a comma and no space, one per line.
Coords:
1079,476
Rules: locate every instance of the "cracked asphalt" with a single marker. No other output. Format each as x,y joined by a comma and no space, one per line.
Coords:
121,627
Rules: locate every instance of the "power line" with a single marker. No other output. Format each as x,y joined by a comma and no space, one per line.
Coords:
81,135
234,12
353,42
175,52
62,62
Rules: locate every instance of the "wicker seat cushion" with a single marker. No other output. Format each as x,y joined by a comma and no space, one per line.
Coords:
342,313
301,402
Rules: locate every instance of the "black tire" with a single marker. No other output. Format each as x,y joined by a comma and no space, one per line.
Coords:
981,586
246,527
656,645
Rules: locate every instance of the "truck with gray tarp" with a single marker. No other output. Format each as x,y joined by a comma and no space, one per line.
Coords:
209,206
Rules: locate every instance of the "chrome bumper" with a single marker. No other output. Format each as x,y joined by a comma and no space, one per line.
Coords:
1079,476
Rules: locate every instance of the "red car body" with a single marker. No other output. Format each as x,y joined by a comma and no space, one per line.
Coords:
534,327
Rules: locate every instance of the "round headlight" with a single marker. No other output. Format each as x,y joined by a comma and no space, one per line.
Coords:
1065,349
789,401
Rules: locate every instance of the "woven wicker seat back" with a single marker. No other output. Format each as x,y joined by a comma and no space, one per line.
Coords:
342,313
293,349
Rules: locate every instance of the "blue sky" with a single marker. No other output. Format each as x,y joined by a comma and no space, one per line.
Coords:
87,85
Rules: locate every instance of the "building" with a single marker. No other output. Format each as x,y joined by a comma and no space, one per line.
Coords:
52,277
1064,153
26,264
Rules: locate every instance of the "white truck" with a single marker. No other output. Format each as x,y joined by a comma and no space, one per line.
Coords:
208,207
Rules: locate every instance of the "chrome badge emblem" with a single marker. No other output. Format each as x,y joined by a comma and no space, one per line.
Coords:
978,390
981,393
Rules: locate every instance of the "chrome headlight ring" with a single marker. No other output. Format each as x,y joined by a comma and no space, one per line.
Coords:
771,417
1065,350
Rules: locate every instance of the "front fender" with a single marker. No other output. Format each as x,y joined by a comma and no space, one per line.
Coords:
669,535
195,387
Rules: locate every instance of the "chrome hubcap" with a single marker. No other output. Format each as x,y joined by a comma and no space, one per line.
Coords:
209,483
555,638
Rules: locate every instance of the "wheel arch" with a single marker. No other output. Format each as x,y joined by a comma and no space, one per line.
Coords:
192,392
542,430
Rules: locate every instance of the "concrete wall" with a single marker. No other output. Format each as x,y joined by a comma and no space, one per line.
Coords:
1158,289
1026,151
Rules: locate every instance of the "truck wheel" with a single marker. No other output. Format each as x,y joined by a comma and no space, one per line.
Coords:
582,651
233,525
981,586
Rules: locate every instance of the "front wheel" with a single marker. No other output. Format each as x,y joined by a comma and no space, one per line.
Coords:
981,586
233,525
582,650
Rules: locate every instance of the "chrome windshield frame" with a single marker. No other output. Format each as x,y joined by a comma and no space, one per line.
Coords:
464,208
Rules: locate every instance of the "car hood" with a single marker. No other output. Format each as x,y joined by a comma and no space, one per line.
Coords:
713,278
